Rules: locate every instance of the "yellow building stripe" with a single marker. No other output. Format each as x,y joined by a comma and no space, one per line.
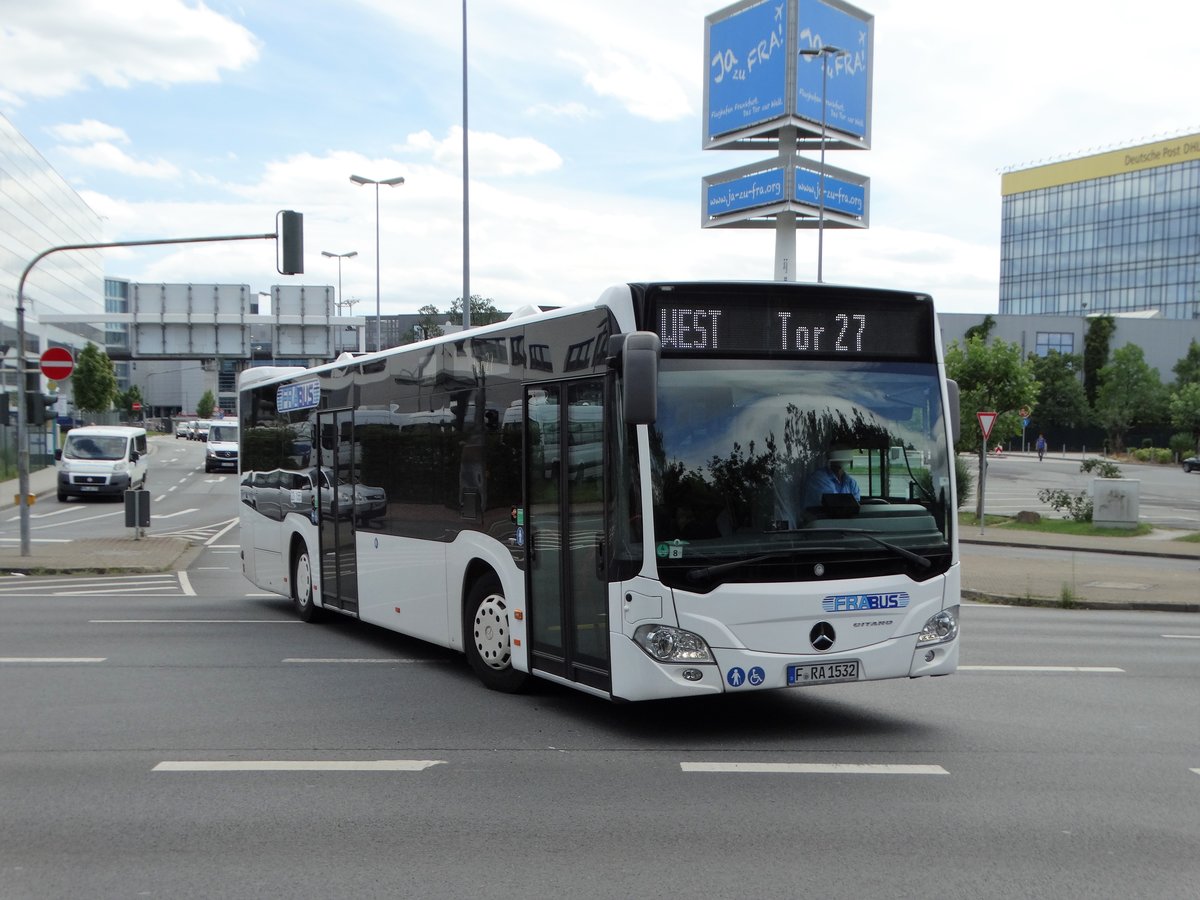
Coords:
1114,162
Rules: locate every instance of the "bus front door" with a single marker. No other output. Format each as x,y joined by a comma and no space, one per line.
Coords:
568,597
337,475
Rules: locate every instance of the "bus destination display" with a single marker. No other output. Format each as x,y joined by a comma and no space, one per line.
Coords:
873,328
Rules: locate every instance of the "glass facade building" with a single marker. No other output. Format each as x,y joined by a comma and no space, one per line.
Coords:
1115,232
39,210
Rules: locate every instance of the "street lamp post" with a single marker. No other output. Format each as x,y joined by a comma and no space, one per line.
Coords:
339,257
821,53
358,179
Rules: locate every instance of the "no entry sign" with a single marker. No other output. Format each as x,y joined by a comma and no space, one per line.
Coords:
57,363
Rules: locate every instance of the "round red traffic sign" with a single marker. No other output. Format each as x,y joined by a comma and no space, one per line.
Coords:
137,407
57,363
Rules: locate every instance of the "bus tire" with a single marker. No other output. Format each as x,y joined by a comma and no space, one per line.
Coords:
302,586
487,637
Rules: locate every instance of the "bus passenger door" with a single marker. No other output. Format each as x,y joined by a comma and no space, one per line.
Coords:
564,477
336,476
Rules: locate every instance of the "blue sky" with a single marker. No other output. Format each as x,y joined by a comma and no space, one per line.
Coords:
174,118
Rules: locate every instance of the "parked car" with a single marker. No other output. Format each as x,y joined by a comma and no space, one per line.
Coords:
1192,464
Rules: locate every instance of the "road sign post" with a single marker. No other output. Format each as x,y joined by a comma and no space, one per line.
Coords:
986,420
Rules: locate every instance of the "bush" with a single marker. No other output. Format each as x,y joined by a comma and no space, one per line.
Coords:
1077,507
1182,445
1102,468
1164,457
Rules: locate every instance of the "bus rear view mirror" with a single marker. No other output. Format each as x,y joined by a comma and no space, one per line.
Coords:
637,355
955,422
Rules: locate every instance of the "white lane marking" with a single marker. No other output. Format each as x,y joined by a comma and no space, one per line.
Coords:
365,659
182,512
1090,669
261,595
160,498
220,533
38,540
814,768
212,568
52,659
79,521
108,581
299,765
1183,637
194,622
171,488
185,584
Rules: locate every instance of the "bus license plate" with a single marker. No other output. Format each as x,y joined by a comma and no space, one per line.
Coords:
823,673
88,487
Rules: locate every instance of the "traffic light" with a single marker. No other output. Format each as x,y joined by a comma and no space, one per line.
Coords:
41,408
289,237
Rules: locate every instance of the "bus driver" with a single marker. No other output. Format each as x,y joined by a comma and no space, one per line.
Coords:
831,478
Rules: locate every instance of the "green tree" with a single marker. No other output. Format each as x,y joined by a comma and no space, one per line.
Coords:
1129,393
483,312
429,323
1184,408
983,330
1061,401
991,377
1187,370
126,399
94,381
206,405
1095,353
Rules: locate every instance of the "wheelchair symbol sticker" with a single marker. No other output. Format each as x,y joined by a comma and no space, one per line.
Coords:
757,676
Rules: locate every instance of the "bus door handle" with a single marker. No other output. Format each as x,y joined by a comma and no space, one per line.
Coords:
601,569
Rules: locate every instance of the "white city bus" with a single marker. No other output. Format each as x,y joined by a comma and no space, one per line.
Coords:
612,497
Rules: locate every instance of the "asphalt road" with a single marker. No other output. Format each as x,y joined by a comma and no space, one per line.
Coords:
164,738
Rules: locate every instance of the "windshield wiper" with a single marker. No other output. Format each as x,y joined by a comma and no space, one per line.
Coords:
708,571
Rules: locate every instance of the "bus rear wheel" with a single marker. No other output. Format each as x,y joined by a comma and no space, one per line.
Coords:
302,587
487,637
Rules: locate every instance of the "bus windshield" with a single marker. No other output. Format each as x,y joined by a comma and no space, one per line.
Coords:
761,470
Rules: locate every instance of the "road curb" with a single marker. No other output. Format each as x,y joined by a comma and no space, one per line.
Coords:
993,598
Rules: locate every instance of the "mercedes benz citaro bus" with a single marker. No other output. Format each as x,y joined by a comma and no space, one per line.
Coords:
629,497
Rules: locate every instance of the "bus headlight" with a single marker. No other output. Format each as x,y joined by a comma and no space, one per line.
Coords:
672,645
941,628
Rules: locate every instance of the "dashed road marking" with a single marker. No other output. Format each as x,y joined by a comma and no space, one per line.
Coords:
812,768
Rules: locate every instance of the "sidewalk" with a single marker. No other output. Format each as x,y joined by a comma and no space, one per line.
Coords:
1152,572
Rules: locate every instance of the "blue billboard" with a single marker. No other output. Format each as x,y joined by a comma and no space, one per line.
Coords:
747,68
845,197
747,192
759,78
847,79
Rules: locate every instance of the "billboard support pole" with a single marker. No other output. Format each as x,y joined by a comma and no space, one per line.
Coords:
785,222
22,432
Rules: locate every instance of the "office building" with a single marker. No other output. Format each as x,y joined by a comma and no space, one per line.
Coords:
1116,232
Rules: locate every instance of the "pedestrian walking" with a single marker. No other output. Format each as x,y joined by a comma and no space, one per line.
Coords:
1041,446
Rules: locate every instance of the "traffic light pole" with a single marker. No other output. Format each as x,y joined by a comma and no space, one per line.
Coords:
290,232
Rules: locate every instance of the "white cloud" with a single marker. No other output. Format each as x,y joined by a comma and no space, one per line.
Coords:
491,154
105,155
53,47
89,130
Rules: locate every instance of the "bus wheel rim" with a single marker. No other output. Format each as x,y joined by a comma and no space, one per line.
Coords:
491,634
303,580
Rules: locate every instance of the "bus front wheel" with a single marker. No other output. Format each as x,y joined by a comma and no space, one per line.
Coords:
302,586
488,638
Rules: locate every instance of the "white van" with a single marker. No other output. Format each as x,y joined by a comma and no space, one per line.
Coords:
101,461
221,450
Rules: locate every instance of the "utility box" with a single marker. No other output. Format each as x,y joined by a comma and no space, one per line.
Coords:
1115,502
137,509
